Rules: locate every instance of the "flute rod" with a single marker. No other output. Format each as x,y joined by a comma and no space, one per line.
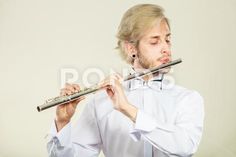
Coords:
66,99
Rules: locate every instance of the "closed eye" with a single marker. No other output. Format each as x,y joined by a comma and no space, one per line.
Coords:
154,43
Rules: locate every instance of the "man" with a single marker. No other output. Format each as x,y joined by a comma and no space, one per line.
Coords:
142,117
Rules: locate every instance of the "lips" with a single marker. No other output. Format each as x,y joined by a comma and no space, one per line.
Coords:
162,60
165,59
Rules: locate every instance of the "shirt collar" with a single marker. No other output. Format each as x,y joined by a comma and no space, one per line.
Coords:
158,83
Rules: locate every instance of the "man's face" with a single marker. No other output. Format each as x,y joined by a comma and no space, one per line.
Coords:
154,47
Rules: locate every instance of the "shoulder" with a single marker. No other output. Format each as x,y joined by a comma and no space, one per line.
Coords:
182,93
187,96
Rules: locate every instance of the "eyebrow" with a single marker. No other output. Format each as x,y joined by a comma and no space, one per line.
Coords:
157,36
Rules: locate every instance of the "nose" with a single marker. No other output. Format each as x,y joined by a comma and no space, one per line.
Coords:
165,48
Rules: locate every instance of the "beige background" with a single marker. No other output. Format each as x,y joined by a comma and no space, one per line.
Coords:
38,38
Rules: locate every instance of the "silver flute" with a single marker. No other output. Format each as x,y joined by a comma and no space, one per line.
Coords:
68,98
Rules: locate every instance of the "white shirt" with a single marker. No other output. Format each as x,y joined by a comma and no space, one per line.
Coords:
169,117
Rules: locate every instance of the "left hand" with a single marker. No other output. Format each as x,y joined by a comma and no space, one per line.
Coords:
115,91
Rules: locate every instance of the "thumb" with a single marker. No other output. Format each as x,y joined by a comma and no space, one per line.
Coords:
110,91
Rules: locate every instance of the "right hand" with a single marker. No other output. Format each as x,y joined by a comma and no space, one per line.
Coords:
64,112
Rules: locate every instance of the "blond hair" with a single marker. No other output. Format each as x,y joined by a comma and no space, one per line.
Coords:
135,22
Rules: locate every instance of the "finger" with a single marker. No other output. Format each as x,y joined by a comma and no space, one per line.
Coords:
76,102
117,85
76,87
70,87
113,80
79,99
103,83
107,83
110,91
119,77
62,92
68,92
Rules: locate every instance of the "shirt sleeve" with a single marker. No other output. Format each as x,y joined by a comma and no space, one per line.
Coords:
179,139
81,140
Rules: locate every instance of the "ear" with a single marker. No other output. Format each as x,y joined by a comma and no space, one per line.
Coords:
130,48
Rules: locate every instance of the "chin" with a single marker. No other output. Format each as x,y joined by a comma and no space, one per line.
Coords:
165,71
158,63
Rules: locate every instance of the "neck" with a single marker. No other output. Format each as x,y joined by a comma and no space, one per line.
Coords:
137,67
146,77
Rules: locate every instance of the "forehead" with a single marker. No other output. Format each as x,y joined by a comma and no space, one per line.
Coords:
159,29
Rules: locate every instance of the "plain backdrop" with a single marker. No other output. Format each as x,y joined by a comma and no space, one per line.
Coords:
41,38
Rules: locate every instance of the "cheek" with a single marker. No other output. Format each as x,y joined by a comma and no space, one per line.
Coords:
153,52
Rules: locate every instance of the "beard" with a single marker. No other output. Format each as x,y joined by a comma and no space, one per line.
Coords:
143,61
147,64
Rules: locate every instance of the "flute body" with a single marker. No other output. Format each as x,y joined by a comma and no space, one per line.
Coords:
66,99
